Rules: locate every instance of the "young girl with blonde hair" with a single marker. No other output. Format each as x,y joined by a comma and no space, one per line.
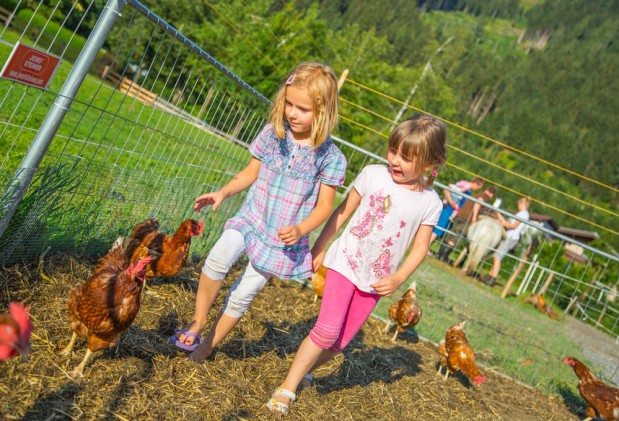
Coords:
292,178
389,207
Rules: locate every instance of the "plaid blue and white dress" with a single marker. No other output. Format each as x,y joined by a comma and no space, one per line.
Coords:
284,194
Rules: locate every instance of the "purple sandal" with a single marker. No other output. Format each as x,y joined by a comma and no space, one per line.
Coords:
182,345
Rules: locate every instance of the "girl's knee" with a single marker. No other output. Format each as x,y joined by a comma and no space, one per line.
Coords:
216,268
235,311
324,336
214,274
224,254
237,303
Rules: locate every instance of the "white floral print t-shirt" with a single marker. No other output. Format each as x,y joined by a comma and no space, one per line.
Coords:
382,228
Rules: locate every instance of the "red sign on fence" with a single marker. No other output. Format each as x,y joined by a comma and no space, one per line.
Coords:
30,65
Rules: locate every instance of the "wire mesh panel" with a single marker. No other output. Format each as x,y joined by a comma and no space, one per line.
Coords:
156,123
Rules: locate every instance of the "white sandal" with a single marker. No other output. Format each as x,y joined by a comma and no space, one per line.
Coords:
276,406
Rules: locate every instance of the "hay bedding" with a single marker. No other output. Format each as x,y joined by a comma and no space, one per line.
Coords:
145,378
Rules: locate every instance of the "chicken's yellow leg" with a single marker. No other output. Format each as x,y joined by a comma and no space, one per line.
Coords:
79,370
69,348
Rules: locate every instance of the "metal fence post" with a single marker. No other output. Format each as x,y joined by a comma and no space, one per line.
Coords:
23,176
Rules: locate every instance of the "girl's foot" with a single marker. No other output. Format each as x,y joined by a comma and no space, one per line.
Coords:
201,353
190,335
197,339
281,400
189,338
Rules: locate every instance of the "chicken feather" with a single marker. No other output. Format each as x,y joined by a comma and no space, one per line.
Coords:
602,400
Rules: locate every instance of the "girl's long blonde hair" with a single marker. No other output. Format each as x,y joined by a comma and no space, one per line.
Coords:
423,140
321,84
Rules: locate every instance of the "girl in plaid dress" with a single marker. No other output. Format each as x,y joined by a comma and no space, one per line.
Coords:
390,207
292,178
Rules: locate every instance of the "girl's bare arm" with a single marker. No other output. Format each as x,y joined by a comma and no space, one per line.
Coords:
243,179
390,283
240,182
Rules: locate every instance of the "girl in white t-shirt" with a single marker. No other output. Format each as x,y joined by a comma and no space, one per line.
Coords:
390,207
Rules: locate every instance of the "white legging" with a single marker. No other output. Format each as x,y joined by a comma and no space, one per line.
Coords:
223,255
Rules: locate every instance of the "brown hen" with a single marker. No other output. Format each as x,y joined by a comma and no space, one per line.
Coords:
318,281
456,353
170,252
405,312
538,301
107,303
602,400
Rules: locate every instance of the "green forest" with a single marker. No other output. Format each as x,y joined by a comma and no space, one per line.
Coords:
527,87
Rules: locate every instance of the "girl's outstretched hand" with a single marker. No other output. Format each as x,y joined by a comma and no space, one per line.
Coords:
289,235
387,285
214,198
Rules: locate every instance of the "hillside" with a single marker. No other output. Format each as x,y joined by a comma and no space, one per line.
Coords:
526,86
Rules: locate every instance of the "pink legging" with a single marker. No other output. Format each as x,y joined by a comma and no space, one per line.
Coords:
343,311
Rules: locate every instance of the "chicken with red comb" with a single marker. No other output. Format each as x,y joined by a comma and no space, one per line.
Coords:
15,331
106,305
456,353
602,399
170,252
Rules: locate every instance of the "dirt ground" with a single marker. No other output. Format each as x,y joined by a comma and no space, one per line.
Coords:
146,378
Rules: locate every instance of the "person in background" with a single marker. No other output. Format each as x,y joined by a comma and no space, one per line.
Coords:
390,207
514,228
452,203
466,216
292,178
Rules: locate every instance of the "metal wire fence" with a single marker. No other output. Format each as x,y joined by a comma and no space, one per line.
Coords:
157,121
134,142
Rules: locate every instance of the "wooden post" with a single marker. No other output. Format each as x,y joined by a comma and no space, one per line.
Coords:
519,267
342,79
580,299
209,97
512,278
547,283
597,324
238,127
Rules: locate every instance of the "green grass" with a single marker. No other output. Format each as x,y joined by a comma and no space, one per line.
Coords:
504,333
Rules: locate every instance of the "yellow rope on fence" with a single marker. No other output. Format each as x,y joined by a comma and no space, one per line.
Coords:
466,129
368,110
492,164
485,161
535,200
450,164
341,117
